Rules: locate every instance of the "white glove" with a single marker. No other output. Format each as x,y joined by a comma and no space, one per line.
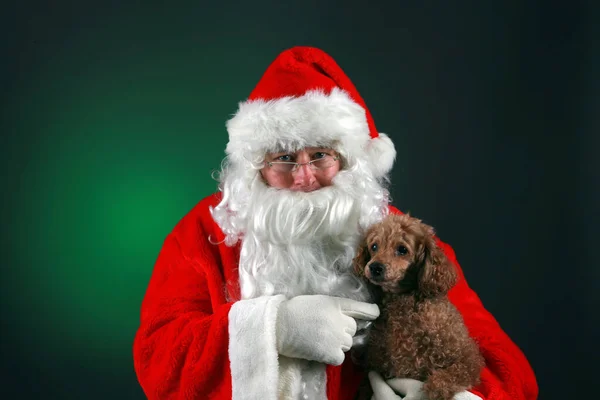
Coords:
320,328
381,389
409,389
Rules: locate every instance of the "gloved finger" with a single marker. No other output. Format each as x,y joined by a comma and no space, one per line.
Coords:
418,396
350,325
347,342
359,309
406,387
381,390
336,359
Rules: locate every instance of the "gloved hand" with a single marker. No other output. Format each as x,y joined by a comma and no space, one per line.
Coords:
382,390
318,327
409,389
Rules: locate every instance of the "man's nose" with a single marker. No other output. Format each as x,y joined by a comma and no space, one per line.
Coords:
304,175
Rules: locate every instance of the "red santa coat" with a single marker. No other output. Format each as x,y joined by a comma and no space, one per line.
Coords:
181,349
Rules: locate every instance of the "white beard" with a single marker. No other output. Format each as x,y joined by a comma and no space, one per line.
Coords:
296,243
300,243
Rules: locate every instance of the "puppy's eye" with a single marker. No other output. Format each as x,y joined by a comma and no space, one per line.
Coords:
401,251
374,247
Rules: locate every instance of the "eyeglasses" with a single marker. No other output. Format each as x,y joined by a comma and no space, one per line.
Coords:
286,167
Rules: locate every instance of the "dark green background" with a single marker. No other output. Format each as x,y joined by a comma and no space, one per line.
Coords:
113,119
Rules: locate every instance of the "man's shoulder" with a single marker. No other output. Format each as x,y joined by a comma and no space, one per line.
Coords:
209,201
394,210
200,212
203,207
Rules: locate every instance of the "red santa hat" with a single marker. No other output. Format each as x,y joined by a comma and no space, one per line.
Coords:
305,99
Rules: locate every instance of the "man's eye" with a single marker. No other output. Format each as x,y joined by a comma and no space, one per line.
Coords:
402,251
319,155
285,157
374,247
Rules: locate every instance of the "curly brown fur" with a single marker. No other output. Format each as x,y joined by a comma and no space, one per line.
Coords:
419,334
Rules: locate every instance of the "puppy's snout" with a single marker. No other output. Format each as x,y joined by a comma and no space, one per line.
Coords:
377,271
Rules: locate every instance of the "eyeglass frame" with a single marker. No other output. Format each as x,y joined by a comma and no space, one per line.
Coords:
298,165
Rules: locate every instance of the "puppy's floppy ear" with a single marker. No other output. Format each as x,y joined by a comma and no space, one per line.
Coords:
437,275
361,259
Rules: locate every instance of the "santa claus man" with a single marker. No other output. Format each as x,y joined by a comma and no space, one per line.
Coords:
252,295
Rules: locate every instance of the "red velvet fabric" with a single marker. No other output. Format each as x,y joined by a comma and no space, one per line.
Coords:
300,69
181,348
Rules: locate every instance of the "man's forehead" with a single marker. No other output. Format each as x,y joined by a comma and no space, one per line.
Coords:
293,150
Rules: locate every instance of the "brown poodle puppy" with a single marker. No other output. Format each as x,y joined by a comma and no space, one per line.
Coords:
419,334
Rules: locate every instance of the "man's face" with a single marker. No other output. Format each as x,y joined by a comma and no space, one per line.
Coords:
306,170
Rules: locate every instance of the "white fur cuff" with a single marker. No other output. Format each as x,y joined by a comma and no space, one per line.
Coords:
465,395
252,348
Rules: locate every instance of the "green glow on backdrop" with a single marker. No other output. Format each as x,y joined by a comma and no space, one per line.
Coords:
118,164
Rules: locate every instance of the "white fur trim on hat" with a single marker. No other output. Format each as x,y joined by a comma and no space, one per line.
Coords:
313,119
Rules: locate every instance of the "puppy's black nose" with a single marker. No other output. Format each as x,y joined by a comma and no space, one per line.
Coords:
377,271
